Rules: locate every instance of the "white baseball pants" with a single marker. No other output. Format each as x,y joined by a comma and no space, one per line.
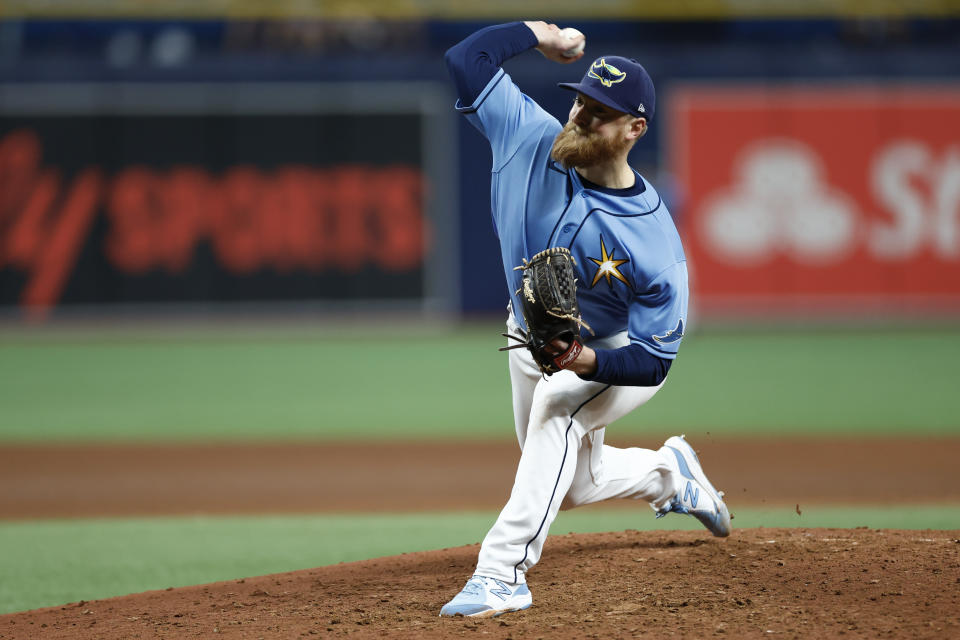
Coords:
560,422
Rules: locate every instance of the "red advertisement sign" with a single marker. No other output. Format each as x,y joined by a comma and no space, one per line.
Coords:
185,208
820,198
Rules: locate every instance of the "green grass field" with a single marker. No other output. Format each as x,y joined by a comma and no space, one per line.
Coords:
429,383
54,562
328,383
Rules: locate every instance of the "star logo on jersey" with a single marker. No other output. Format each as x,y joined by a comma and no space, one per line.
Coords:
671,336
607,74
608,267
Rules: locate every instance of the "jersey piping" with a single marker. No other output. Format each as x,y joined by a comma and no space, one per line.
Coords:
483,94
573,238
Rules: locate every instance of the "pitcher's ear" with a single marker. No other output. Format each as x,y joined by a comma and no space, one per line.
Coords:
637,128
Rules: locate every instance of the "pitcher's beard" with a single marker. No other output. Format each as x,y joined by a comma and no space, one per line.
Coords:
573,148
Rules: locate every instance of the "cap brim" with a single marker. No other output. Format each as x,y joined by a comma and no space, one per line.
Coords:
597,95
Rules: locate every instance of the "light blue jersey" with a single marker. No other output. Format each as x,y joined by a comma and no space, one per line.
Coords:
631,270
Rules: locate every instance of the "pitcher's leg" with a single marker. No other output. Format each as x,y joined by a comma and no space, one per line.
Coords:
609,472
564,409
544,474
524,376
605,472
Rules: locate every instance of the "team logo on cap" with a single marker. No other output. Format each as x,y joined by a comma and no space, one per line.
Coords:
607,74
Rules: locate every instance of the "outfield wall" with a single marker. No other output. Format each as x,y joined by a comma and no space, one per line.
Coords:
812,165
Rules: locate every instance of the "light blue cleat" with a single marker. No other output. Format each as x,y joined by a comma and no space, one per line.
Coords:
484,597
695,495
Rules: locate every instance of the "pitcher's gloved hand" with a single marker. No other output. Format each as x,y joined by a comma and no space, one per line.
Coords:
549,297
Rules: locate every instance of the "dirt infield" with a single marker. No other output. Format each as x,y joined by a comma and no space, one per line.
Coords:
129,480
779,583
761,583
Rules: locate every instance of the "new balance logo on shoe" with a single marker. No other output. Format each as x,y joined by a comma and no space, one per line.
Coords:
502,591
713,513
691,495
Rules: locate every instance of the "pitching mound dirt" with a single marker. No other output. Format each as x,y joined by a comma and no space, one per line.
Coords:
770,583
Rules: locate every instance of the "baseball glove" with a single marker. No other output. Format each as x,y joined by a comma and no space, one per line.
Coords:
549,297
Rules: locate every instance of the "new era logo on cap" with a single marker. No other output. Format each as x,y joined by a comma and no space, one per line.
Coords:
620,83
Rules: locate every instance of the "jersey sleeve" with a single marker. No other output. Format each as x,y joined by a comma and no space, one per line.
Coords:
631,365
473,61
658,317
505,116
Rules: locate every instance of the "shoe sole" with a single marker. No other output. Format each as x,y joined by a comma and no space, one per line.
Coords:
721,527
489,613
493,613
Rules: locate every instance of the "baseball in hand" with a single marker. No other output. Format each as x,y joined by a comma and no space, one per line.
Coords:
571,34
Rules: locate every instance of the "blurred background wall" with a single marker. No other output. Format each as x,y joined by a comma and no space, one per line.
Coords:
235,154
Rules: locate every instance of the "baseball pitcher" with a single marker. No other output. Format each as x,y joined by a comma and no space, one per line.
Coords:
598,284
